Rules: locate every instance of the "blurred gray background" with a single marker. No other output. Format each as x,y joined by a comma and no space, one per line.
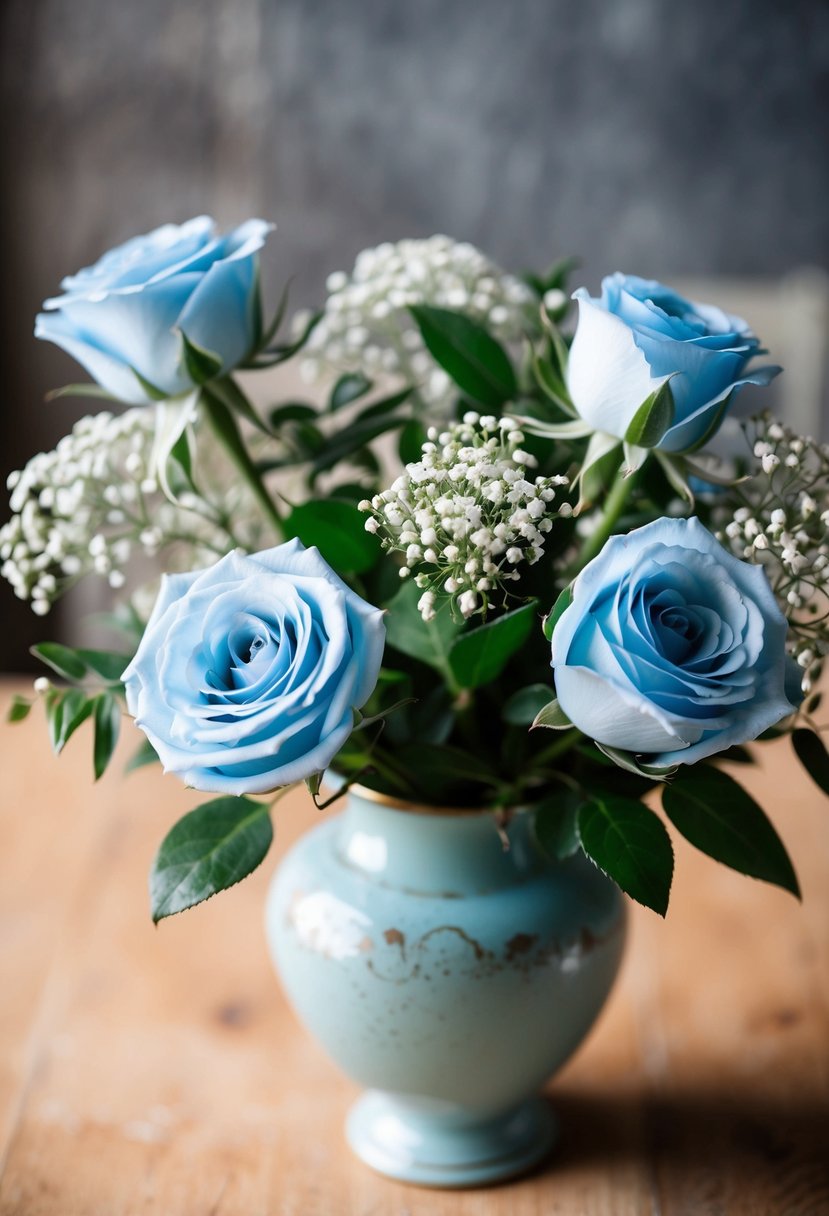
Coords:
683,142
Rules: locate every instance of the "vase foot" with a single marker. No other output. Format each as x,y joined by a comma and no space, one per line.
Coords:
404,1140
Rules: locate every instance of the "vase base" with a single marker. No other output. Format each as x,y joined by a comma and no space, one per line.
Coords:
403,1141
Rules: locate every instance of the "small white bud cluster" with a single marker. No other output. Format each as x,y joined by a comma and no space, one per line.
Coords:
93,504
782,523
366,326
468,511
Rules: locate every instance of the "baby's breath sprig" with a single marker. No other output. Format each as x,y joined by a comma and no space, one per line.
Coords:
93,504
366,326
466,514
780,519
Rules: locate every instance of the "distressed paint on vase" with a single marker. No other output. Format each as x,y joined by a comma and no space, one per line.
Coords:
447,975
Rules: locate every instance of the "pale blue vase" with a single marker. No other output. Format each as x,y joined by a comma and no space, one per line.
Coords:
447,974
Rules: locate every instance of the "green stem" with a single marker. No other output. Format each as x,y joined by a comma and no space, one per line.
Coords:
226,430
615,504
231,395
465,717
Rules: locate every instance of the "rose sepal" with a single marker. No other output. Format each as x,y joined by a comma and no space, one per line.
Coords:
552,716
653,419
563,602
632,762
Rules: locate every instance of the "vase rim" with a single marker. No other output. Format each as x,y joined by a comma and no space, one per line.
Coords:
414,808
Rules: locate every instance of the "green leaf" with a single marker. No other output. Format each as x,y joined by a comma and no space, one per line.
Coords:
338,530
551,384
369,424
556,276
552,716
432,718
471,356
81,390
19,709
652,419
208,850
76,664
445,774
716,814
480,656
737,754
561,605
522,708
812,754
108,664
428,641
306,440
348,388
201,364
351,491
144,754
61,659
291,411
629,843
64,714
412,439
556,823
378,408
107,726
180,452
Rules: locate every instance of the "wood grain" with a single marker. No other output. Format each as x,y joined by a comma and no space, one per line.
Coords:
159,1071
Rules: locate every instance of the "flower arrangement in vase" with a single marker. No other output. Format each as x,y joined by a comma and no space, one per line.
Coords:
493,581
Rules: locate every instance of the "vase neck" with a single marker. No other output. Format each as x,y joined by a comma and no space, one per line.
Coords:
441,853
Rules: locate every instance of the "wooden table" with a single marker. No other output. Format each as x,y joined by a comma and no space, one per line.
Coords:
158,1071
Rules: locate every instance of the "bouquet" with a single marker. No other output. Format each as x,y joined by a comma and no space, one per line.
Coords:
509,555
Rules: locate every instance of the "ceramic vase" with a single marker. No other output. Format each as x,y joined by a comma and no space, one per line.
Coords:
449,972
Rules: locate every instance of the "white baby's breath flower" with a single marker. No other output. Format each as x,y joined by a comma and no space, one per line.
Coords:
467,513
467,602
85,506
781,522
366,326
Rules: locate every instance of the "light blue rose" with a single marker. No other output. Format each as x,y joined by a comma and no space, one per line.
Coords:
671,646
129,310
248,672
639,335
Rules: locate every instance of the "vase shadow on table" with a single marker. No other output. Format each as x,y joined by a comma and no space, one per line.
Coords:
701,1147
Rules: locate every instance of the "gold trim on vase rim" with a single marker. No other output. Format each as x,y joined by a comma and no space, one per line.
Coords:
414,808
